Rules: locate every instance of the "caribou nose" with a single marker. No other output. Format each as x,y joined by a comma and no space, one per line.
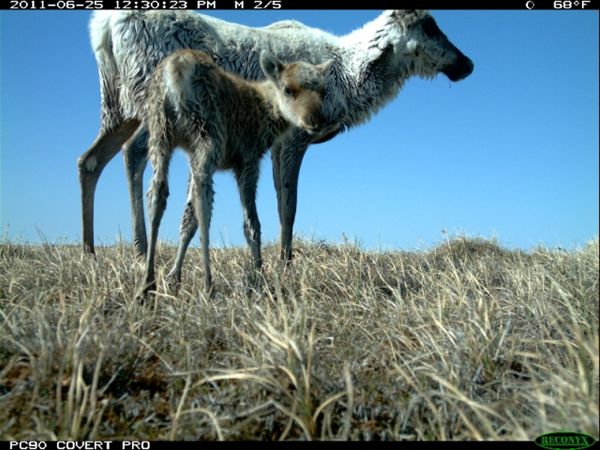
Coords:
311,128
469,66
314,124
460,70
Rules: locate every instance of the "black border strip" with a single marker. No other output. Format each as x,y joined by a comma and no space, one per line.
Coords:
534,5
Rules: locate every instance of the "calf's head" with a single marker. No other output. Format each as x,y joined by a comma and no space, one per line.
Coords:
300,87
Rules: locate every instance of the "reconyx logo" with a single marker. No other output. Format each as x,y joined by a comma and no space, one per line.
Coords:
565,440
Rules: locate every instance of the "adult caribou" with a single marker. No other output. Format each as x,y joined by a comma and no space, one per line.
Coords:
371,65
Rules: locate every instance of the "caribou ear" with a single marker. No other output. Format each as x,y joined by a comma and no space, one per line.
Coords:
270,65
409,16
324,67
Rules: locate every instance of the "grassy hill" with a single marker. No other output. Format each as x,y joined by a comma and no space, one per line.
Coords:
467,340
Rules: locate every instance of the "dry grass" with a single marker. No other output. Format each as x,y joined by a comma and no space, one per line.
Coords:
465,341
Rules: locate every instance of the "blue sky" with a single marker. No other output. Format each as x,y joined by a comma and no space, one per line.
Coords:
511,152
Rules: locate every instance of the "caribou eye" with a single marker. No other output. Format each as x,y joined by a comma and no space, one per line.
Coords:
288,91
430,28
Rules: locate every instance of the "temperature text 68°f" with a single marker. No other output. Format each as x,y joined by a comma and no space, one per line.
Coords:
571,4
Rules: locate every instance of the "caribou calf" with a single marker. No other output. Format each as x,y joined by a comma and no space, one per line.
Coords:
223,122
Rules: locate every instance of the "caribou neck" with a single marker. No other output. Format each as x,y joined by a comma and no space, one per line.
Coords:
372,72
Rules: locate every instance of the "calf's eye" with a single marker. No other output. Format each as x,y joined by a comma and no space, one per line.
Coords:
287,91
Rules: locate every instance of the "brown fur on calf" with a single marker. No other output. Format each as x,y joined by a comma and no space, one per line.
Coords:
223,122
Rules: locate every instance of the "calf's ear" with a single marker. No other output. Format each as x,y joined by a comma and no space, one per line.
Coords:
323,67
270,65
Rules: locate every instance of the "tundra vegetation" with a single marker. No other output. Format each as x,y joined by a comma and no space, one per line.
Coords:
463,341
